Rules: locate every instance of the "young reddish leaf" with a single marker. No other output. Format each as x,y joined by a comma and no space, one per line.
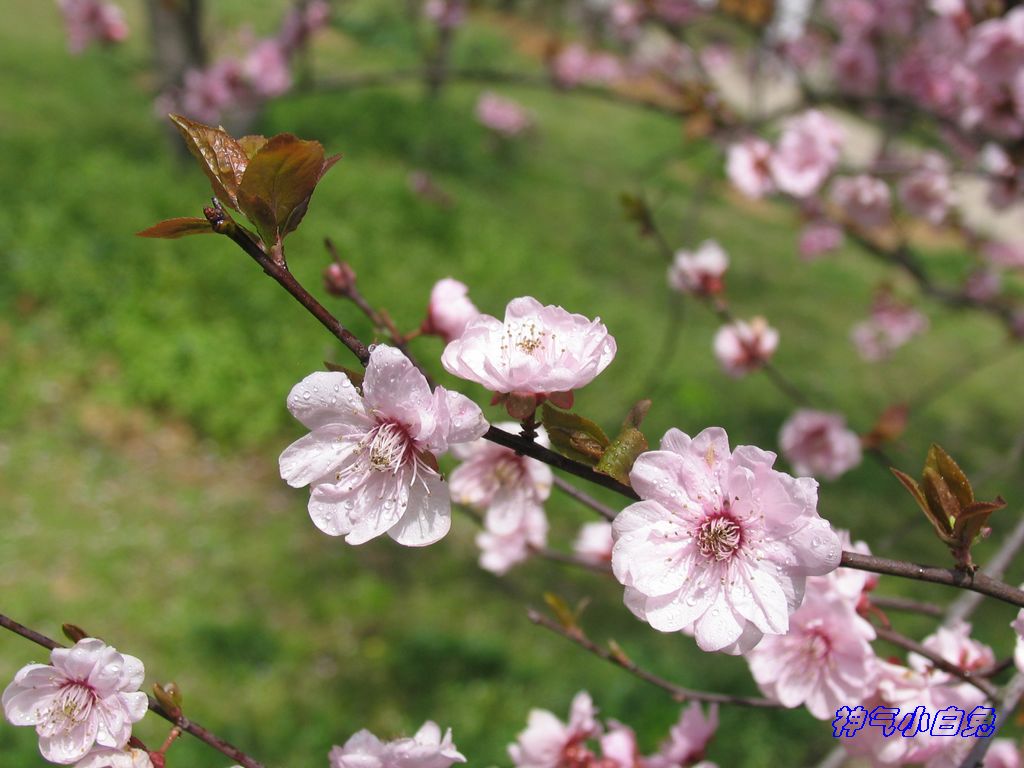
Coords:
223,159
171,229
941,525
73,632
278,183
890,425
957,481
941,500
637,414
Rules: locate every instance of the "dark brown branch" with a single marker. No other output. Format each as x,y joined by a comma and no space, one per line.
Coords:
902,641
675,691
951,577
966,604
182,722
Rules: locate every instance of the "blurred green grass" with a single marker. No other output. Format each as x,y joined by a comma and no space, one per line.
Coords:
144,387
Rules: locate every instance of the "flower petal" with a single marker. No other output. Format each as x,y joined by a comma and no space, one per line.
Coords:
316,455
427,518
328,397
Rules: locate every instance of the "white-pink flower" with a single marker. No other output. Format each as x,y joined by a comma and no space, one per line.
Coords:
537,350
819,238
1003,754
88,695
819,444
721,543
89,20
890,326
619,748
503,116
574,64
687,739
699,271
370,459
806,153
825,661
547,741
266,71
594,542
429,748
742,346
855,65
863,199
105,757
928,191
1018,648
749,167
500,550
450,309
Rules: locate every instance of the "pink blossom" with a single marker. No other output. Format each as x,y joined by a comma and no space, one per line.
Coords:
806,153
574,64
503,116
105,757
890,326
1002,754
742,347
983,284
619,748
547,741
88,695
825,661
687,739
819,238
92,20
301,22
446,14
699,271
720,543
819,444
594,542
450,310
208,93
370,459
427,749
1018,649
266,71
928,192
854,17
510,489
863,199
749,167
537,350
855,65
995,48
1004,255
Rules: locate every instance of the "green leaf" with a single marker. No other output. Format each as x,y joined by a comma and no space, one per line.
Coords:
565,615
278,182
222,159
171,229
619,457
574,436
956,480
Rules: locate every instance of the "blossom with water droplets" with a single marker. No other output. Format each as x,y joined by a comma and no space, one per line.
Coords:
370,458
88,695
720,544
547,742
537,351
687,739
742,346
428,748
105,757
819,444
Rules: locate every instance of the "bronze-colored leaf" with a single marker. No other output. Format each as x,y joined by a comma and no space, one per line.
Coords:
252,144
278,183
941,501
73,632
890,425
941,525
955,478
637,414
222,159
171,229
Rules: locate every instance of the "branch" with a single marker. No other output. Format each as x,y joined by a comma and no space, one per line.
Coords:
910,606
180,721
951,577
966,604
677,692
566,558
1006,704
904,642
585,498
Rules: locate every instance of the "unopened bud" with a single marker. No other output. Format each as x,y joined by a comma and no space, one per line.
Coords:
339,278
73,632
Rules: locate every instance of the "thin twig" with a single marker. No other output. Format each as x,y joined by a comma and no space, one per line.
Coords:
910,606
182,722
967,603
575,560
675,691
585,498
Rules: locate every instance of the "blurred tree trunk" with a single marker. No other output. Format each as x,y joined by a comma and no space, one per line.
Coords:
176,30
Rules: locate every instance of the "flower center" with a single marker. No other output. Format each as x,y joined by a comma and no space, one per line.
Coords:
817,645
73,704
718,537
525,337
388,448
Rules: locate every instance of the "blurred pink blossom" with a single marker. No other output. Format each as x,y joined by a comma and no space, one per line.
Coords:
574,65
819,444
855,65
265,69
701,271
450,310
428,748
594,542
864,200
890,326
687,739
818,238
742,346
806,153
547,741
87,21
503,116
927,191
749,167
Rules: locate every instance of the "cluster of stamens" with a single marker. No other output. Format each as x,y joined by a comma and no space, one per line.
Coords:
718,537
